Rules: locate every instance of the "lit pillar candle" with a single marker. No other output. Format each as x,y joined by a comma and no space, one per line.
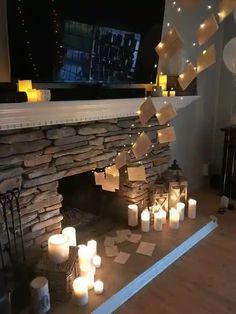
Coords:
97,261
32,95
58,248
92,246
85,259
98,287
90,278
172,92
162,81
70,232
132,215
174,219
157,221
24,85
192,206
165,93
181,209
145,220
80,289
163,214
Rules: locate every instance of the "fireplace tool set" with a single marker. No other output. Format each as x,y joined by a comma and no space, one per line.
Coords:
12,252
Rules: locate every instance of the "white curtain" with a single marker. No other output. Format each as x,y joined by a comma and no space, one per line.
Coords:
5,74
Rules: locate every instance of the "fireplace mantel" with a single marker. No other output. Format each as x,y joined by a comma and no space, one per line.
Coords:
25,115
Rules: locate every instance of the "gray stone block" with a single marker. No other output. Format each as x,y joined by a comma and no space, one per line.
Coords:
22,137
60,132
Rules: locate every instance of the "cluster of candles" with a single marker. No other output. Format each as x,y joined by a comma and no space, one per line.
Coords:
58,252
33,94
175,216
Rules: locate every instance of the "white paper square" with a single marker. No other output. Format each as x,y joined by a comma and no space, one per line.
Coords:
109,241
146,248
135,238
111,251
121,238
125,232
122,258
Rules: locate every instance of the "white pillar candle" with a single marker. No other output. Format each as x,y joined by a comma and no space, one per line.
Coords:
181,209
97,261
98,287
40,299
90,278
192,206
80,289
145,220
58,248
133,215
70,232
163,214
92,246
157,221
85,258
174,219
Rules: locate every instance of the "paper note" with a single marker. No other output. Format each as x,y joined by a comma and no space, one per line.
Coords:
99,178
125,232
186,78
112,170
225,8
122,258
121,160
111,251
141,146
165,114
136,173
207,29
147,110
146,248
121,238
134,238
109,241
206,59
170,44
166,135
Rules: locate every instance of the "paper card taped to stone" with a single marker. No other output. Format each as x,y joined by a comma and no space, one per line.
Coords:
112,170
136,173
146,248
147,110
190,4
121,160
165,114
225,8
99,178
122,258
111,183
206,59
141,146
166,135
207,29
170,44
187,76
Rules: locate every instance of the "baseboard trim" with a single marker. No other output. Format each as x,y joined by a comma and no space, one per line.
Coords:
142,280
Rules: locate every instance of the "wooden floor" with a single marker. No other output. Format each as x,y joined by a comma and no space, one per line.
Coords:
201,282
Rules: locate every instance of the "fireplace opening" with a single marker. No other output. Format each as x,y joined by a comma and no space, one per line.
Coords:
87,207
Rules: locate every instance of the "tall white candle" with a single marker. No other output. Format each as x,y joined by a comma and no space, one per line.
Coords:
70,232
98,287
157,221
132,215
58,248
181,209
90,278
163,214
85,259
80,289
145,220
174,219
97,261
192,207
92,246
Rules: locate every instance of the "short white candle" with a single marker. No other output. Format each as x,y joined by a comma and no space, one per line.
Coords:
80,288
132,215
97,261
90,278
58,248
92,246
174,219
181,209
157,221
85,259
192,206
145,220
70,232
163,214
98,287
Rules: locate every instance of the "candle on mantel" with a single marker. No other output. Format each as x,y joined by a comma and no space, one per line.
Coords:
174,218
181,209
92,246
97,261
162,81
172,92
58,248
133,215
192,206
165,93
145,220
163,214
80,289
32,95
98,287
157,221
24,85
85,259
70,233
